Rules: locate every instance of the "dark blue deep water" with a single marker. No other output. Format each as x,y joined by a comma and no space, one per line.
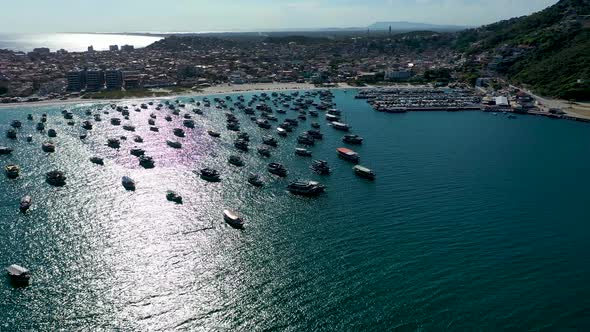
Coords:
475,222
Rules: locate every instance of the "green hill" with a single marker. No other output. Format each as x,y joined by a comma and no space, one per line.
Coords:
548,51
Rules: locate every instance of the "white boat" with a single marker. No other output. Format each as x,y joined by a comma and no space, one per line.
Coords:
233,219
18,275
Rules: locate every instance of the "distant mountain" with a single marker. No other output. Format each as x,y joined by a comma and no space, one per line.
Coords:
411,26
548,50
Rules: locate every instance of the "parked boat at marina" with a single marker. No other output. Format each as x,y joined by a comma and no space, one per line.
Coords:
277,169
233,219
306,188
364,172
348,154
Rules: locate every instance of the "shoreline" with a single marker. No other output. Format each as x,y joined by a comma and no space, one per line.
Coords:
218,89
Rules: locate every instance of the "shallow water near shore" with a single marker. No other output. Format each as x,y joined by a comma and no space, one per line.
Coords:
475,222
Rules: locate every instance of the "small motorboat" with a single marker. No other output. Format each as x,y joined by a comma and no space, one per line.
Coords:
48,147
16,124
128,183
213,133
281,131
269,140
154,128
364,172
352,139
211,175
174,197
146,162
129,127
52,133
115,121
11,133
19,276
56,178
12,171
138,139
277,169
87,125
233,219
236,160
321,167
255,180
174,144
25,203
40,126
97,160
189,123
151,122
137,152
302,152
5,150
264,151
178,132
306,188
114,143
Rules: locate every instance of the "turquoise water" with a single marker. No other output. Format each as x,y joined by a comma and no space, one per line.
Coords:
475,222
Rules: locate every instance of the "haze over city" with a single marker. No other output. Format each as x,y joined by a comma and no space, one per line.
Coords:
227,15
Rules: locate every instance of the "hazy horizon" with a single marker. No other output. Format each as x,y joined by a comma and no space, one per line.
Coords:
136,16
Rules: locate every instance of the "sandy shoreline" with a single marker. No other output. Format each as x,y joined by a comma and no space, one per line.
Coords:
219,89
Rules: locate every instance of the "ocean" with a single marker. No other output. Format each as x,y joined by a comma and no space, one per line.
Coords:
71,42
475,222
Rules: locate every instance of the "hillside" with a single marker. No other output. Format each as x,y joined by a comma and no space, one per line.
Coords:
548,51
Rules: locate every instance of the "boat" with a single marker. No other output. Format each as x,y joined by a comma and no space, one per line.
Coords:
331,117
233,219
153,128
12,171
178,132
189,123
128,183
19,276
11,133
213,133
52,133
305,139
16,124
97,160
25,203
151,122
173,197
137,152
340,126
129,127
244,136
263,123
316,134
264,151
56,178
5,150
241,145
138,139
352,139
321,167
255,180
348,154
68,116
211,175
236,160
40,126
114,143
115,121
146,162
281,131
233,126
269,140
302,152
364,172
277,169
48,147
306,188
30,117
315,125
87,125
174,144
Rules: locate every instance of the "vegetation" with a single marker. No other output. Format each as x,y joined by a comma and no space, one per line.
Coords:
3,90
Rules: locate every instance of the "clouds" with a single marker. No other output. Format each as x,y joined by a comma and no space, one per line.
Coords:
224,15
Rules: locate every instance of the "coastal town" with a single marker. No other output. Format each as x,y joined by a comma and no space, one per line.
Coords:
189,64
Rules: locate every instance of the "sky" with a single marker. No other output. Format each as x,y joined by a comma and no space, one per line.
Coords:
247,15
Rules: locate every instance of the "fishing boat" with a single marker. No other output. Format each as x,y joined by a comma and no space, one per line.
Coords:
348,154
56,178
340,126
277,169
179,132
40,126
269,140
241,145
305,139
154,128
18,275
264,151
306,188
244,136
52,133
236,160
364,172
174,144
281,131
315,125
188,123
321,167
114,143
129,127
255,180
5,150
213,133
97,160
302,152
87,125
211,175
138,139
233,219
128,183
173,197
115,121
137,152
25,203
316,134
48,147
11,133
12,171
146,162
352,139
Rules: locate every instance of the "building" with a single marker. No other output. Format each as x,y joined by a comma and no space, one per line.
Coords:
114,79
90,48
76,80
41,51
131,79
94,80
113,48
502,102
391,75
127,48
